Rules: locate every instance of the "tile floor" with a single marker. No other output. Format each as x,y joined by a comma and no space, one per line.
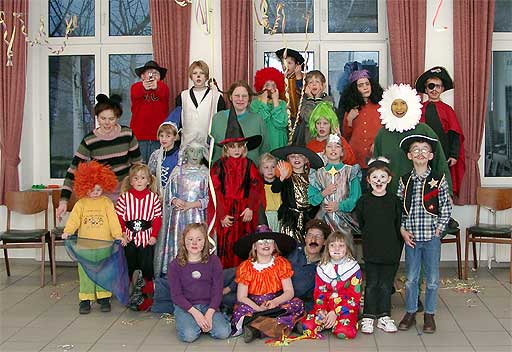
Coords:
47,319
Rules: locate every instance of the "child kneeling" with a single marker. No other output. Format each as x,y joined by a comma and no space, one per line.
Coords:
195,280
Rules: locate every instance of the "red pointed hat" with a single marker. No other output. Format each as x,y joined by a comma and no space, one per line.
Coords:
234,133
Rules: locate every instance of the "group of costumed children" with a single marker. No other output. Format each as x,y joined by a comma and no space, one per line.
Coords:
159,216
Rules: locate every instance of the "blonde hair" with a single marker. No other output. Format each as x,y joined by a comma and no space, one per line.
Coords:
199,64
343,235
225,150
134,170
267,158
167,128
315,74
254,257
182,256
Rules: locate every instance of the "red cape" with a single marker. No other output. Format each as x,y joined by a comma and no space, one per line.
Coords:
449,122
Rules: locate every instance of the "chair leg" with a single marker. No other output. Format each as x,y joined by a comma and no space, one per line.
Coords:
50,253
475,258
43,240
6,259
466,253
459,259
53,264
510,271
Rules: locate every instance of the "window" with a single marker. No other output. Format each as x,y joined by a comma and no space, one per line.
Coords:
497,149
112,39
343,35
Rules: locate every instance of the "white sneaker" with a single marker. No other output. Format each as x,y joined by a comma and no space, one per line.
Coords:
367,325
386,324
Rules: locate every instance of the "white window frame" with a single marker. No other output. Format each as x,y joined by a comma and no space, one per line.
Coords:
262,47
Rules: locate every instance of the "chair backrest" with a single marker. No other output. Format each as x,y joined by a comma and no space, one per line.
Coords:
27,203
493,198
55,204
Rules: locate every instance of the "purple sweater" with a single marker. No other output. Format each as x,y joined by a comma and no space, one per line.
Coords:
196,283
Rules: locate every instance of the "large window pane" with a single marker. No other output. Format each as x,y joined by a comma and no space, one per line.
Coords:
343,63
498,125
295,12
129,18
353,16
503,16
122,76
60,10
271,60
71,97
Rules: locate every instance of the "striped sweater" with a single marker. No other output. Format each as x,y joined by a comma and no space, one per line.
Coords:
139,205
118,152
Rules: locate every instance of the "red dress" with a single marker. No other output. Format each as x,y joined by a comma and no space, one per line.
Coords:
450,122
238,185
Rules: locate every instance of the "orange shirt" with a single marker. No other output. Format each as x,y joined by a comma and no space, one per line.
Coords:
362,132
267,280
349,157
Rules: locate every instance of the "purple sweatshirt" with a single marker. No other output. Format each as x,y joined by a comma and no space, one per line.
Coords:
196,283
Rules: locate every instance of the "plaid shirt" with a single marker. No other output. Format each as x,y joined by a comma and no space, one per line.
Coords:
418,222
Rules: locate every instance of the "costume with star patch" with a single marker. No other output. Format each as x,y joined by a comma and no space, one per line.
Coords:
338,289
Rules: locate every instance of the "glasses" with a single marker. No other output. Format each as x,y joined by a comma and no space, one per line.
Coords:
418,151
265,241
317,236
431,86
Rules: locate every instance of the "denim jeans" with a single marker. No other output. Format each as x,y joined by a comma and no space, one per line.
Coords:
428,254
187,329
147,148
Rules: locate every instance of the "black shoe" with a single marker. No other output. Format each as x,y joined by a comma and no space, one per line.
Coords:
429,326
250,333
408,320
299,328
85,307
105,304
420,306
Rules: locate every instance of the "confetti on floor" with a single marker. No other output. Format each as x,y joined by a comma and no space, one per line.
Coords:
128,322
66,347
462,286
169,318
55,295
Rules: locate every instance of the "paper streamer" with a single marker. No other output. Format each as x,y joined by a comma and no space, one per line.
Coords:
438,28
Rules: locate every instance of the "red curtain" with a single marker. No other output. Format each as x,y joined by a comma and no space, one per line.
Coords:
170,25
12,98
237,41
407,26
473,23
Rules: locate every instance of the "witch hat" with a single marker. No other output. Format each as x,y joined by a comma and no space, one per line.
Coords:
234,133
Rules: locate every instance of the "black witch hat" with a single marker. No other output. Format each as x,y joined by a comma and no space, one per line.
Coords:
234,133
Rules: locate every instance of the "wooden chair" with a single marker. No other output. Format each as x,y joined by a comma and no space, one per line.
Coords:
25,203
494,199
56,232
452,235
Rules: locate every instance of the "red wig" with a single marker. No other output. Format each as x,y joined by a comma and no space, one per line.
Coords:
90,174
269,74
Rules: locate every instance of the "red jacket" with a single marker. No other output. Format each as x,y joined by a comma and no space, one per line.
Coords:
149,109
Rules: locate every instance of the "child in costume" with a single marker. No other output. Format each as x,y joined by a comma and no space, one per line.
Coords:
95,218
322,122
199,104
337,290
140,213
295,210
188,199
426,212
237,196
267,168
265,297
314,94
400,113
270,105
443,120
195,280
150,106
361,121
336,188
379,213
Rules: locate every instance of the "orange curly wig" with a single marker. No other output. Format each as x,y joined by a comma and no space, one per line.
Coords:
92,173
269,74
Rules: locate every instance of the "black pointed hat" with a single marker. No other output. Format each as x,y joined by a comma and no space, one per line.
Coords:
437,71
315,161
292,53
406,142
234,133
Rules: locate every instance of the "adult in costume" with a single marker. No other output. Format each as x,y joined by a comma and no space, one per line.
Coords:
443,120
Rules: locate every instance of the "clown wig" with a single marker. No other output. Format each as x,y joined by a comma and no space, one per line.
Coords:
413,115
323,110
92,173
269,74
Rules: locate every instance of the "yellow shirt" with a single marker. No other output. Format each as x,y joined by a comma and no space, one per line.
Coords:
273,199
94,218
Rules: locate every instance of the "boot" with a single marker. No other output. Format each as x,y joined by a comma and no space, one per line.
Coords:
429,325
85,307
408,320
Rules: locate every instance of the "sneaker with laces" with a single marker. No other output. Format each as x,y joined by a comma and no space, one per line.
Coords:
367,326
386,324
